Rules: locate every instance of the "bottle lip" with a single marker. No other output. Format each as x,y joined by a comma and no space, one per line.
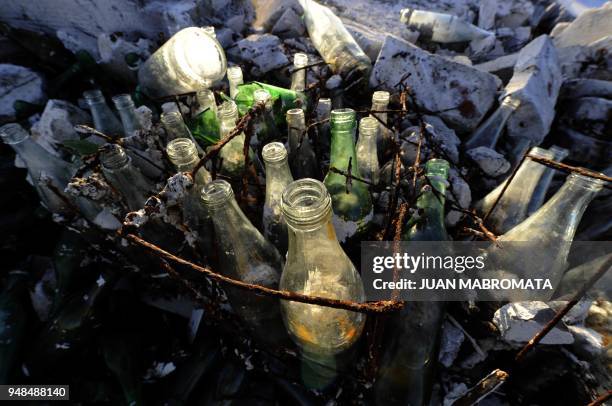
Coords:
182,151
205,97
305,202
300,60
261,95
170,117
123,101
437,166
541,153
587,181
368,126
234,72
511,101
274,152
113,157
210,30
342,116
559,152
94,96
13,133
228,110
295,118
381,96
216,193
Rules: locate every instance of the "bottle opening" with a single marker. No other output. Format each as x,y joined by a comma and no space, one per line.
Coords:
113,157
380,96
295,118
342,119
274,152
228,110
217,193
368,126
93,96
182,151
123,101
261,95
300,60
13,133
206,98
305,202
234,73
437,167
586,182
541,153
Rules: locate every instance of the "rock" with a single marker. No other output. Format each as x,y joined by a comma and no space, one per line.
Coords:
56,124
587,151
481,47
177,15
503,67
486,14
536,82
454,393
262,50
589,27
450,344
445,138
518,322
460,93
575,88
556,31
268,12
226,37
491,162
289,25
513,39
440,139
588,342
18,83
577,314
113,51
577,7
514,14
590,109
461,190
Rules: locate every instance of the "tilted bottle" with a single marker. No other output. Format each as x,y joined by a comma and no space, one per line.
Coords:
127,112
205,125
264,127
410,345
367,153
440,27
282,99
317,265
334,43
235,79
244,254
302,158
539,194
278,176
380,102
176,128
125,177
104,119
298,77
487,134
511,209
352,203
189,61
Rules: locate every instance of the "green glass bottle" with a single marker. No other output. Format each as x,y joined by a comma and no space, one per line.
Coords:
410,346
282,99
352,202
205,126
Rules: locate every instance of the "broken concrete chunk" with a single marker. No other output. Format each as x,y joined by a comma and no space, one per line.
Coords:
588,151
490,161
289,25
268,12
445,138
589,27
461,191
18,83
575,88
263,50
536,82
588,343
461,94
518,322
503,67
56,124
113,51
591,109
486,14
450,343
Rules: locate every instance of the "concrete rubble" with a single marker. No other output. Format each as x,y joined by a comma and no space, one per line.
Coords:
18,83
262,50
490,161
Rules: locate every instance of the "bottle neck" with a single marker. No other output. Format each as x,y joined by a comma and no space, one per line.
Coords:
278,176
343,149
488,133
129,119
429,221
39,161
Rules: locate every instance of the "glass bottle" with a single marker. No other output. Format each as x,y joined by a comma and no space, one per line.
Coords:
210,30
302,158
409,353
127,113
323,111
278,176
235,79
125,177
352,202
206,126
367,154
298,77
539,194
512,207
103,118
244,254
317,265
264,129
441,27
176,128
282,99
13,321
487,134
334,43
183,154
550,230
380,102
189,61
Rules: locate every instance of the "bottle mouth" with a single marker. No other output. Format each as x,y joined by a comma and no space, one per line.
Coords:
437,167
123,101
305,202
234,73
217,193
381,96
274,152
93,96
343,119
210,30
206,98
368,126
541,153
228,110
113,157
13,133
511,102
588,182
559,153
182,151
261,95
300,60
295,118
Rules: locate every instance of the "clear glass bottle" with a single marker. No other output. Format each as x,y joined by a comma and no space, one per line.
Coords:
487,134
189,61
317,265
104,119
125,177
210,30
176,128
380,102
235,79
244,254
323,111
298,77
352,202
512,207
127,112
278,176
367,153
264,126
539,194
409,352
205,125
302,158
440,27
334,43
550,230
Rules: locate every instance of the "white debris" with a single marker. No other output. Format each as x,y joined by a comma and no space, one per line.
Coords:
461,94
262,50
536,82
18,83
450,344
100,281
490,161
106,220
518,322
